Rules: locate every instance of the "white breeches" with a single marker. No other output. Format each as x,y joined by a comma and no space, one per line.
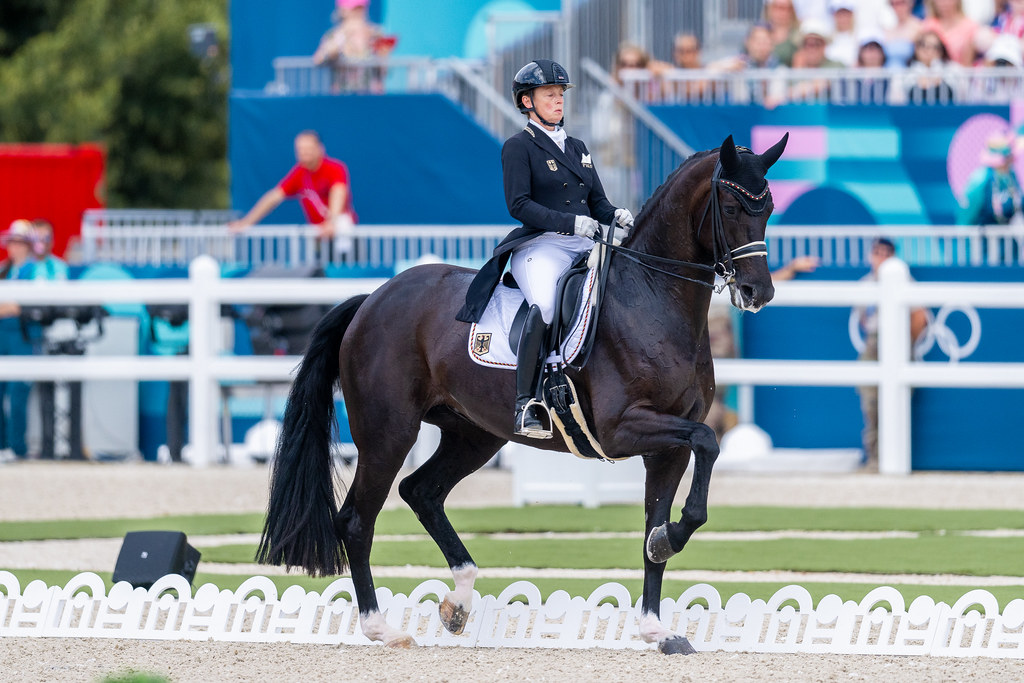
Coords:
537,264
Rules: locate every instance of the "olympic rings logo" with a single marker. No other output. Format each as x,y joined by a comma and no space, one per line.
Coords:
937,333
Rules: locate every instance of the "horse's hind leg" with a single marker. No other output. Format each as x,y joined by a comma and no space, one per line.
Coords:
463,450
376,470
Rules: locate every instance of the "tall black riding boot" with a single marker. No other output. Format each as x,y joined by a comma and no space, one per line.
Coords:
528,364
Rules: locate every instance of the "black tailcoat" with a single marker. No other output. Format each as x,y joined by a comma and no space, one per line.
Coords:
545,189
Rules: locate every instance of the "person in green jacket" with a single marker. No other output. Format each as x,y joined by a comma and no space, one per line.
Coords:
993,193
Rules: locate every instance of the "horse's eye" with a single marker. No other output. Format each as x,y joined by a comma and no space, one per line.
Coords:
729,210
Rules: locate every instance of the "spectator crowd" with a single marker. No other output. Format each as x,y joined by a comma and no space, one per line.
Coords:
896,51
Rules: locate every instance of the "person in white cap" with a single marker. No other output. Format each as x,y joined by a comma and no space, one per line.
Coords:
843,47
814,39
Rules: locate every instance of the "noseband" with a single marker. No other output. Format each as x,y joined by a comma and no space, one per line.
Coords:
724,256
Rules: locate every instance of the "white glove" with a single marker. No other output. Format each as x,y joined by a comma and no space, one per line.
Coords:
624,218
586,226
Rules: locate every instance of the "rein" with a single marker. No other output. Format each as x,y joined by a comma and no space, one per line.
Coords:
724,256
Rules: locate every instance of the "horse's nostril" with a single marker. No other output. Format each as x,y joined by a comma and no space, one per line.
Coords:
748,292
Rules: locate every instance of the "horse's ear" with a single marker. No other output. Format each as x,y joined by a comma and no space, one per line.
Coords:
728,156
772,154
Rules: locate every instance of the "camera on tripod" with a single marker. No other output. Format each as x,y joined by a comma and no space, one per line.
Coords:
68,339
66,343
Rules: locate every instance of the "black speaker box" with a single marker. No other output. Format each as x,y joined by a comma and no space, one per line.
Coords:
149,555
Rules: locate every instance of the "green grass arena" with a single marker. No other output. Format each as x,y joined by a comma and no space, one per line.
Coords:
938,553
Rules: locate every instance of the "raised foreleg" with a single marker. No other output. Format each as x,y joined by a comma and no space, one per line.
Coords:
671,440
669,538
664,472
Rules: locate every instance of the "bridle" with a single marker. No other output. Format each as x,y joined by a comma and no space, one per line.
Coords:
724,256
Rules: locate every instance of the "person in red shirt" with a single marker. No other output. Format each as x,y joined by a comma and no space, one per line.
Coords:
320,183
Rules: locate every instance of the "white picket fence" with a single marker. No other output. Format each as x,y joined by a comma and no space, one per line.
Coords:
206,365
788,622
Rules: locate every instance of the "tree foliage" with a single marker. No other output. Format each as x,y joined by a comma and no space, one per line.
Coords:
120,72
20,20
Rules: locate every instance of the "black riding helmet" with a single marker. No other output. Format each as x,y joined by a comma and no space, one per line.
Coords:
535,74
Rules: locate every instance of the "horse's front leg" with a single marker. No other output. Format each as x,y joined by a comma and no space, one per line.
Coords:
668,538
671,439
664,471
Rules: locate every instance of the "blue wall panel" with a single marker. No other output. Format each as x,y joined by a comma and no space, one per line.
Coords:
264,29
415,159
959,429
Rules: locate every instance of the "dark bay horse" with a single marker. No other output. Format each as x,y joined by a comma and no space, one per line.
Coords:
401,359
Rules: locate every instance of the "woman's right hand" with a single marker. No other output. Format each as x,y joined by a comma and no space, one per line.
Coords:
586,226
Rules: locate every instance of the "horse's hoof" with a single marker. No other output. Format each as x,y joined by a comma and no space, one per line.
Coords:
453,616
658,547
676,645
402,642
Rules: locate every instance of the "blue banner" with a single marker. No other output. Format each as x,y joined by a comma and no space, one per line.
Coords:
853,165
958,429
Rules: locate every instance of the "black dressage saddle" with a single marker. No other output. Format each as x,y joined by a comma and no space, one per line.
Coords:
567,305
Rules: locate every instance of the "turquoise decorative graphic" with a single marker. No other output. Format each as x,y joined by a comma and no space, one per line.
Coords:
847,165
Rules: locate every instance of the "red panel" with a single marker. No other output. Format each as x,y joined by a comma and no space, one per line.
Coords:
55,182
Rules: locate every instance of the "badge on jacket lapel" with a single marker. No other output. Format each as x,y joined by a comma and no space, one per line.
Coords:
585,160
552,165
482,343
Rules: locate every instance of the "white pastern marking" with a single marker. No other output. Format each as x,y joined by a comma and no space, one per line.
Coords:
652,630
375,628
465,578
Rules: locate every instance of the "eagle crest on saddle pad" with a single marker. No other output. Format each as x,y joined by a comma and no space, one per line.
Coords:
482,343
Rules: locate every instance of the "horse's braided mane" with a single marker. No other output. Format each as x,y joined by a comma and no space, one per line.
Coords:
655,197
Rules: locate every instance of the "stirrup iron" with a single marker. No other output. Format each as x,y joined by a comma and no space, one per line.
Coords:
529,431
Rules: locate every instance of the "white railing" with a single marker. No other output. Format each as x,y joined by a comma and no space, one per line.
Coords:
375,75
287,245
205,366
771,87
93,219
918,245
141,238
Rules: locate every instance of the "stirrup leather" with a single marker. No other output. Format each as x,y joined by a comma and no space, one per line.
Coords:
529,431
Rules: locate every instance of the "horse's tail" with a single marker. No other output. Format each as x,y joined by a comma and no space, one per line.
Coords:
299,530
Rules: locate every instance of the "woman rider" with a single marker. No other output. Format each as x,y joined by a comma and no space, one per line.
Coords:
552,187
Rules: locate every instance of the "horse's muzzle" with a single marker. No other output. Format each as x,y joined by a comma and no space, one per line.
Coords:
751,296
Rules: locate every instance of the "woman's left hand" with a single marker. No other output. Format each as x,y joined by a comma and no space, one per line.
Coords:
624,218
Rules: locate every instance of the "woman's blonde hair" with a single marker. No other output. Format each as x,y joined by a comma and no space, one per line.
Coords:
930,7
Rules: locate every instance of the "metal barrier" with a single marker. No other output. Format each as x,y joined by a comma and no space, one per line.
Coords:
918,245
378,75
108,218
205,368
289,245
772,87
155,238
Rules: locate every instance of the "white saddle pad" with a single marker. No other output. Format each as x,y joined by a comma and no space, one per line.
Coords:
488,339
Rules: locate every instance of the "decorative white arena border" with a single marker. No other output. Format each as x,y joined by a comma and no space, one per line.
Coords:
788,622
